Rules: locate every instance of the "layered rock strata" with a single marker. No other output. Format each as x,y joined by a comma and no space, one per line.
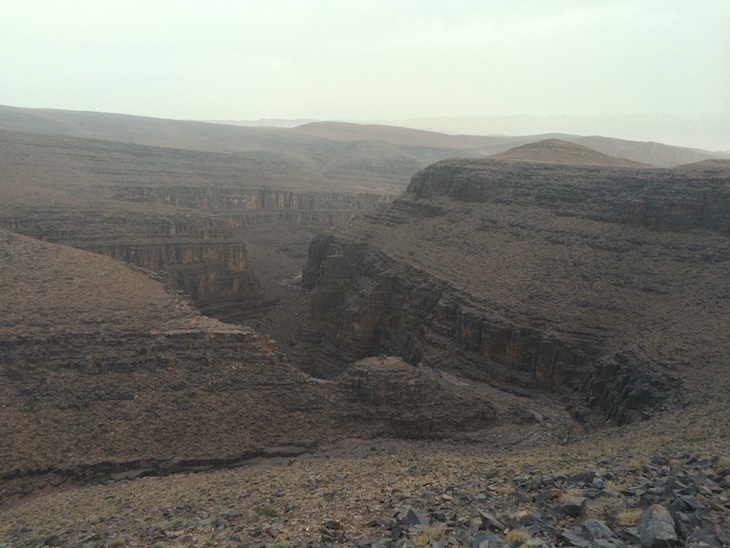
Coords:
184,215
607,283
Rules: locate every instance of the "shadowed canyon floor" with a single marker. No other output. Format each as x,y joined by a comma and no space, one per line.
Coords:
547,328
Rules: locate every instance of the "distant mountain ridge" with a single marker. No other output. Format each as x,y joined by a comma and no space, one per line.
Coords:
342,150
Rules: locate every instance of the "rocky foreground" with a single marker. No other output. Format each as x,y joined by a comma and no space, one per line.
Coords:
389,493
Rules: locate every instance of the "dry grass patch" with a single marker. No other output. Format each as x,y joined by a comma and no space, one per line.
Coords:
431,532
569,494
628,518
516,535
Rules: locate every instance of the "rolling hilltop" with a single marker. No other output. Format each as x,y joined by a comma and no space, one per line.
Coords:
563,152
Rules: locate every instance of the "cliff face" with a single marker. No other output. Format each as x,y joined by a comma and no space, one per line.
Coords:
369,304
185,215
199,251
531,277
214,274
673,199
231,199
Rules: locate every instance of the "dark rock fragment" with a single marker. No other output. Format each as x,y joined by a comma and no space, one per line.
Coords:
656,528
582,478
631,535
575,506
486,539
595,529
573,539
706,538
686,523
490,521
686,503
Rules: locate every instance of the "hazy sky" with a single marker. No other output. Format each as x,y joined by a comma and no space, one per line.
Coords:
367,59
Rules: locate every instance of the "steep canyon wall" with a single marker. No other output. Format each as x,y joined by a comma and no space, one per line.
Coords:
400,283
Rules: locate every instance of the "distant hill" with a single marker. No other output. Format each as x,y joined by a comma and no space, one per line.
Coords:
369,155
556,151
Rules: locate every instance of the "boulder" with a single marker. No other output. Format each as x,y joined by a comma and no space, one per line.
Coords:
656,528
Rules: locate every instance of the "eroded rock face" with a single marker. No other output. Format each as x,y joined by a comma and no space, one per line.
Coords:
215,275
673,199
187,216
532,276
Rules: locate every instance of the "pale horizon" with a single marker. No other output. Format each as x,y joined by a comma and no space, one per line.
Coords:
633,69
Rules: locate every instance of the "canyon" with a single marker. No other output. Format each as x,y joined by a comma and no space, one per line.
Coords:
577,278
182,299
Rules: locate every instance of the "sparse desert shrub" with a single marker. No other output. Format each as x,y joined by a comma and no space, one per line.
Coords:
723,462
268,510
431,532
282,544
569,494
628,518
116,543
158,545
516,535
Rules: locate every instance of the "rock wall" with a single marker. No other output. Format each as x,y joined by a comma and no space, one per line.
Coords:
216,199
367,297
670,199
199,250
214,274
377,304
365,303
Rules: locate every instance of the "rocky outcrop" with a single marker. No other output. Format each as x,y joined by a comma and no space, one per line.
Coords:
201,254
215,275
389,397
670,199
364,303
579,317
377,304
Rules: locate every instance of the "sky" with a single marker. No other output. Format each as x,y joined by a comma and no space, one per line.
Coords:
661,61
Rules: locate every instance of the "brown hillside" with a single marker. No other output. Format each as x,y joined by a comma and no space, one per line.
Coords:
553,336
49,289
